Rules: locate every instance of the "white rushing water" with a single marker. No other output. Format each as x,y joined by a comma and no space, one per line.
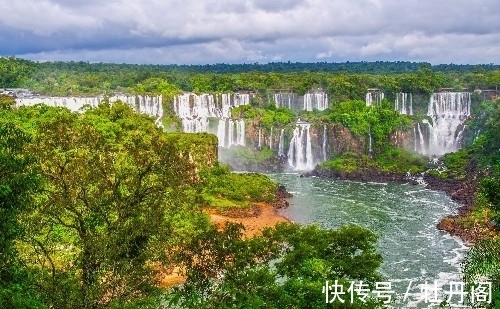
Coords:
315,100
300,156
144,104
404,103
260,138
448,111
404,218
374,98
281,145
271,139
196,110
285,99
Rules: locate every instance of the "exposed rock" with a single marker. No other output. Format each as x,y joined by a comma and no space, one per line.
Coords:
281,195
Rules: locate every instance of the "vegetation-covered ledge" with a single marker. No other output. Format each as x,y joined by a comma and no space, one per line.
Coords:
392,165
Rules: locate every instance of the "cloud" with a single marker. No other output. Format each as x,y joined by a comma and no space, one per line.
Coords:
252,30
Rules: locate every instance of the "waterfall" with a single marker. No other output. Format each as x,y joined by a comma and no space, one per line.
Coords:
421,139
195,112
373,97
230,135
271,139
285,99
221,132
260,138
240,132
404,103
300,152
281,144
315,100
148,105
324,143
241,99
414,138
448,111
460,137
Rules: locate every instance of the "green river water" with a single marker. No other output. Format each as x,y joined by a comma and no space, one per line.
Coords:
404,217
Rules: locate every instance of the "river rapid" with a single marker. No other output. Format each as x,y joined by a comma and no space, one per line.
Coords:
403,216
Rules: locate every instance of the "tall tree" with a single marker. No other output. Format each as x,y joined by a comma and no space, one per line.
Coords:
113,186
18,181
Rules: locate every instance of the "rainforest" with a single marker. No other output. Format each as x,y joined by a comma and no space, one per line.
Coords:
145,186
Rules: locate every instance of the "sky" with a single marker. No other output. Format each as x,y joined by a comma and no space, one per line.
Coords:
249,31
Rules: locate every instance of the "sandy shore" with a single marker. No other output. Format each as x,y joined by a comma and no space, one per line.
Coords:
267,217
254,224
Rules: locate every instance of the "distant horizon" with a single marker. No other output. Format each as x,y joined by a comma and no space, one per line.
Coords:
255,63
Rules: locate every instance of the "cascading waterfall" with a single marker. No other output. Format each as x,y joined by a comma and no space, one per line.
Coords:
74,104
315,100
221,132
414,138
240,132
195,111
300,155
144,104
404,103
285,99
324,143
448,111
281,144
260,138
421,138
241,99
373,97
271,139
460,137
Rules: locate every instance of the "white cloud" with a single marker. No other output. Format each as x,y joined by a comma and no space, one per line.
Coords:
253,30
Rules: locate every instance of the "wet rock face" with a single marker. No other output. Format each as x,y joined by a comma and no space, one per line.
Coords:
281,195
447,224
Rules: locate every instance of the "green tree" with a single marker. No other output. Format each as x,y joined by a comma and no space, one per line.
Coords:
105,222
14,71
482,264
18,180
286,267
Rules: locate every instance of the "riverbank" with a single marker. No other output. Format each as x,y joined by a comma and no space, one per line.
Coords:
467,225
254,220
469,230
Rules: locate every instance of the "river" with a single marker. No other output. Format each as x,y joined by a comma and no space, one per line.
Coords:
403,216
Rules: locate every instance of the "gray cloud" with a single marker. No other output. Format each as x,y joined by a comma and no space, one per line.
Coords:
189,31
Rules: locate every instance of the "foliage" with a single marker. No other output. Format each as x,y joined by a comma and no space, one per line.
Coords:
400,161
14,71
285,267
247,157
490,189
6,102
456,164
349,162
114,188
222,188
378,121
483,261
391,160
342,81
18,181
485,148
